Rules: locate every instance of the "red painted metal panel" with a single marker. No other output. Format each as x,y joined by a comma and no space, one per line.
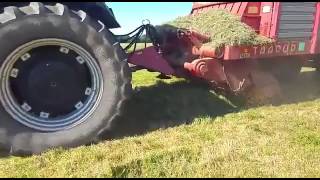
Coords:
231,53
280,48
274,21
214,7
150,59
207,68
266,18
253,22
204,9
229,6
253,6
236,7
197,5
242,9
315,41
251,15
200,5
223,6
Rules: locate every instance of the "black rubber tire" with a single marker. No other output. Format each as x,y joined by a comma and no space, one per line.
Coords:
36,21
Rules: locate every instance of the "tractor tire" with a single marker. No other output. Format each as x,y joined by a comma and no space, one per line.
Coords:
64,79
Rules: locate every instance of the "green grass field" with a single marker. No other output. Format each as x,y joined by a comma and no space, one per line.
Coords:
179,129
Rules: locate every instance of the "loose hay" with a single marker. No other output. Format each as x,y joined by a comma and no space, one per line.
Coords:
226,29
223,28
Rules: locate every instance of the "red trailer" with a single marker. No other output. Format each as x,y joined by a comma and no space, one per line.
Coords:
293,26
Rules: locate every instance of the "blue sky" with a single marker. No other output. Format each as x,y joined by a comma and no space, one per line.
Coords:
131,14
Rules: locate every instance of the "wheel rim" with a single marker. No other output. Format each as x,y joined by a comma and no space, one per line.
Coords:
50,92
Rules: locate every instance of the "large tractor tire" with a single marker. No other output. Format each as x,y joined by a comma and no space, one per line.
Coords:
64,78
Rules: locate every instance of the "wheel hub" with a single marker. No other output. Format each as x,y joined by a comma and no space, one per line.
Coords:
50,85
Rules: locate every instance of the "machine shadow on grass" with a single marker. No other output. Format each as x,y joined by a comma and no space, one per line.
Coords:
305,88
168,105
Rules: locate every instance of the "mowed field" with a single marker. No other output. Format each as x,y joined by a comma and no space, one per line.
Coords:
175,128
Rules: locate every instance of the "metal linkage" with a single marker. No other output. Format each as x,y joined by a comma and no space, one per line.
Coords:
135,35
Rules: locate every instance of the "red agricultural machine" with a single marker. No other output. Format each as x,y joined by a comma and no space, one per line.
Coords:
65,77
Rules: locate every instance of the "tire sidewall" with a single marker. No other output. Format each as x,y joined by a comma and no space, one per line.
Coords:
15,33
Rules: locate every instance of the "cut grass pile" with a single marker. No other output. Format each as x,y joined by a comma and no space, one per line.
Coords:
222,27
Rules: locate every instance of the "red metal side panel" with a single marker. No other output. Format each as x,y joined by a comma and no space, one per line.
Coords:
243,8
231,53
223,6
197,5
280,48
229,6
151,59
253,22
214,7
251,15
195,11
236,7
253,9
204,9
275,18
266,18
315,41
